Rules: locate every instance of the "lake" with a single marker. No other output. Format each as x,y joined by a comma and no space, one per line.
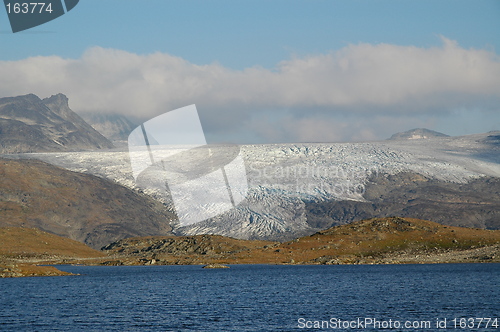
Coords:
256,298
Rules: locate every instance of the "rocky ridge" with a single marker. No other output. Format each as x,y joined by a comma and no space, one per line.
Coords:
390,240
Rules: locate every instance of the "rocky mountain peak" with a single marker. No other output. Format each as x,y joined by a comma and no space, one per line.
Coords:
417,133
29,124
60,100
30,97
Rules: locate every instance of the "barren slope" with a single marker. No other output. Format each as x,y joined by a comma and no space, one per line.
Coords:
83,207
22,248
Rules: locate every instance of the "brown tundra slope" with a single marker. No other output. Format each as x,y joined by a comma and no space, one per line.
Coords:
82,207
22,248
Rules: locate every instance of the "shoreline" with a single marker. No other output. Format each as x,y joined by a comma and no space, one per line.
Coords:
22,268
377,241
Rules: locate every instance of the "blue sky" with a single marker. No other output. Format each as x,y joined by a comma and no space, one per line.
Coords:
229,44
241,34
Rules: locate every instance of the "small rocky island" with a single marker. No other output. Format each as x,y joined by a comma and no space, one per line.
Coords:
215,266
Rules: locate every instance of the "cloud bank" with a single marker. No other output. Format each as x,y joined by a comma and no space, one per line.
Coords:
359,92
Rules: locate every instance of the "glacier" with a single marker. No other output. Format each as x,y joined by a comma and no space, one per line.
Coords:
282,177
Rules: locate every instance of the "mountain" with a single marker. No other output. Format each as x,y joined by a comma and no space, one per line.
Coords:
373,241
417,133
493,138
299,189
29,124
114,127
82,207
475,203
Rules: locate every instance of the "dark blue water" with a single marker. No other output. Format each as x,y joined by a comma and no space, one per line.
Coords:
250,298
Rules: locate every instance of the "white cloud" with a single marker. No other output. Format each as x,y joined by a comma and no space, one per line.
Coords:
359,79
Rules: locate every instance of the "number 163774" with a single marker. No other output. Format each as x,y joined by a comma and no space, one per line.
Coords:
475,323
29,7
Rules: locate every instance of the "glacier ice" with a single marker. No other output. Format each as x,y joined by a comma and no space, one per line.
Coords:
281,177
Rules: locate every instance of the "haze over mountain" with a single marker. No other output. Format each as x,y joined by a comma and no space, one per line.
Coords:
114,127
29,124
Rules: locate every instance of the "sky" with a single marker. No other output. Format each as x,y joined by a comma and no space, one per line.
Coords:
270,71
